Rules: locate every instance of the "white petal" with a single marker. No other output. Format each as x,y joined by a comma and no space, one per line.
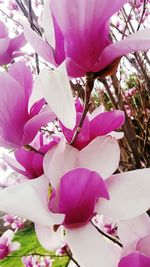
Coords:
29,200
14,246
129,195
47,24
9,234
62,160
101,155
88,247
57,92
134,229
49,239
96,112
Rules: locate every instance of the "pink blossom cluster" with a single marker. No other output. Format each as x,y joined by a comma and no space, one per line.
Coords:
15,222
37,261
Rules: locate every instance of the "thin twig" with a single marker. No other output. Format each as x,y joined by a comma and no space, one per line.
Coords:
113,239
88,90
142,15
71,257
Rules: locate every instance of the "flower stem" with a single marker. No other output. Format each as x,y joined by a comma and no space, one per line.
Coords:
88,89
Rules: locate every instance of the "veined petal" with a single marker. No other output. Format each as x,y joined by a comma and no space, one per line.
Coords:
49,239
57,92
92,251
137,41
133,229
129,195
105,156
29,200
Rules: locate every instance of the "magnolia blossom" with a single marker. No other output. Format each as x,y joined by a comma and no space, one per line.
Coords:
9,48
80,187
97,123
6,244
69,29
18,124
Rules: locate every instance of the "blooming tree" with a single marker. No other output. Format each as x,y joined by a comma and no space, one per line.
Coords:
74,122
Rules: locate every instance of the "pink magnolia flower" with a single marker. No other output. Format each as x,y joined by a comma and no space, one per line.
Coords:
18,124
69,29
97,123
9,48
135,237
81,184
6,244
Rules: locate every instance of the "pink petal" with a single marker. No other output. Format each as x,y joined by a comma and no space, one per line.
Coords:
135,42
16,43
78,192
133,229
35,123
3,30
88,247
31,161
23,76
15,165
5,58
144,245
41,47
13,114
36,107
49,239
105,156
129,195
135,260
106,122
